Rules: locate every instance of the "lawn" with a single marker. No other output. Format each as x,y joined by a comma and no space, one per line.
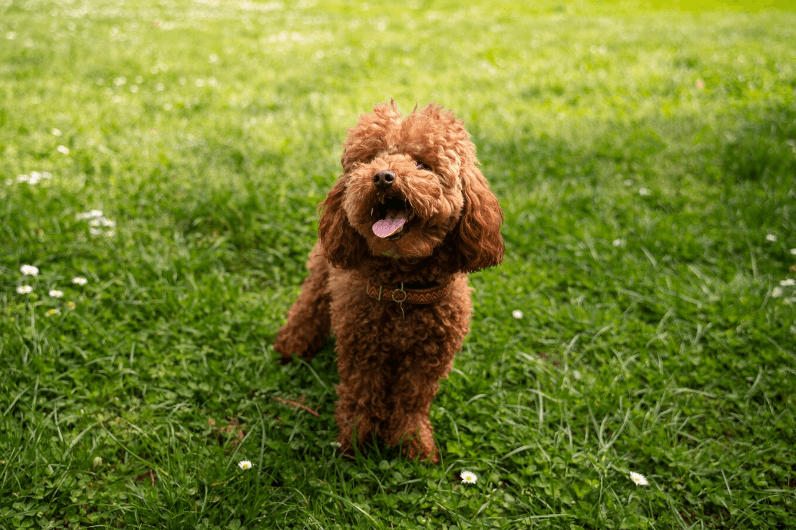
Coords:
172,154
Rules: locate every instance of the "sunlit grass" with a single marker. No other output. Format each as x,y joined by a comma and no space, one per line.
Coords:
642,322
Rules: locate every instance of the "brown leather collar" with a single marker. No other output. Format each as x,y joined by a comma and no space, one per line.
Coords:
400,294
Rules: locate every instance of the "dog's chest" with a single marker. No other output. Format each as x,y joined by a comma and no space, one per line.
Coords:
396,331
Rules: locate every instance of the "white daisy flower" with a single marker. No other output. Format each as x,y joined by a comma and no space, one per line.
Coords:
245,464
776,292
643,191
790,282
628,182
29,270
55,132
55,293
771,237
618,242
638,479
62,149
516,314
793,251
468,477
90,215
23,178
102,221
24,289
79,280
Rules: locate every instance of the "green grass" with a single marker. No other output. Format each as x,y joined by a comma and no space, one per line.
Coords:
642,156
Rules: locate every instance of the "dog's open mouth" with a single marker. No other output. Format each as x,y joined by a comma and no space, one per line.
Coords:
393,215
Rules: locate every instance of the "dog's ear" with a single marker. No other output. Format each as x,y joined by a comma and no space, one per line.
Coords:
477,234
343,247
373,133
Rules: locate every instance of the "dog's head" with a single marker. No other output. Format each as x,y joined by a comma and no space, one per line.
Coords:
408,184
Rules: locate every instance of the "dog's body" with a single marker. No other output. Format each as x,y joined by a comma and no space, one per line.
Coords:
409,217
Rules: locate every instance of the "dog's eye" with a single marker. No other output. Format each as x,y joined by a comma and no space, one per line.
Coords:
421,165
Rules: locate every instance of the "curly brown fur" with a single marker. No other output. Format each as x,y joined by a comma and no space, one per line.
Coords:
391,356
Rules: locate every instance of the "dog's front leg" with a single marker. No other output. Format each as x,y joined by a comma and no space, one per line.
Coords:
361,393
412,431
409,426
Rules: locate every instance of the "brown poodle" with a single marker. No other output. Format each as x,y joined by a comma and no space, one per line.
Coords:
409,217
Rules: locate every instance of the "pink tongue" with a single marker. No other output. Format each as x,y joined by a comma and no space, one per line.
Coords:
387,227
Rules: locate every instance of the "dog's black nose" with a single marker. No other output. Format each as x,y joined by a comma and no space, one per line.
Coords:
383,179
